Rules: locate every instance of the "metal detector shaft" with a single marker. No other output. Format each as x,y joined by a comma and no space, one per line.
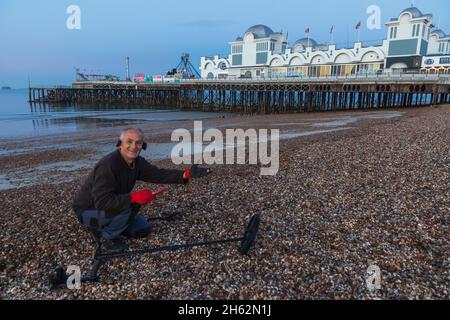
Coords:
165,248
159,191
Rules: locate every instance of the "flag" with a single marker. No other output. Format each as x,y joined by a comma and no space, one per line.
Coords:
358,25
331,30
307,30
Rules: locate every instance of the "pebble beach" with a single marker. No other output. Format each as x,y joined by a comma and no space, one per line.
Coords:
376,193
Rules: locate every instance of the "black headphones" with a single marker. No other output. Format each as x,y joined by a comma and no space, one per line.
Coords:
144,144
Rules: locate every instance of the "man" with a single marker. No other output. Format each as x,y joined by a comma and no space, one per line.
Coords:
106,204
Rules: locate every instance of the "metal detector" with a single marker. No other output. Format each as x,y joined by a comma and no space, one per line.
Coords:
59,276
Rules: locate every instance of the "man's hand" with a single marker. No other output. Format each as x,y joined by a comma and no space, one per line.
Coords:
142,197
196,172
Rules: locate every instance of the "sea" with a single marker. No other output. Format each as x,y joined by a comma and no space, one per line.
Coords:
21,119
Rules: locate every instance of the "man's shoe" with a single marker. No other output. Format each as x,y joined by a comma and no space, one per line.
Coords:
116,245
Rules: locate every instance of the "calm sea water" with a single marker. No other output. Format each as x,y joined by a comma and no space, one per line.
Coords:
20,119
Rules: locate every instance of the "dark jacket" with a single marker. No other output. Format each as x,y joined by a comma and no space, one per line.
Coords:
109,185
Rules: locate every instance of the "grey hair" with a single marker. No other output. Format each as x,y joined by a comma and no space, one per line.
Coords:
122,134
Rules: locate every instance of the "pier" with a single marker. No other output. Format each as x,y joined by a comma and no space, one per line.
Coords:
261,96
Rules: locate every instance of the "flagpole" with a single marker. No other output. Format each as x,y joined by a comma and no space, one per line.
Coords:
358,32
332,35
348,37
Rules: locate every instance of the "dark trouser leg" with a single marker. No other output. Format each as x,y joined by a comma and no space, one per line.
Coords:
138,228
110,228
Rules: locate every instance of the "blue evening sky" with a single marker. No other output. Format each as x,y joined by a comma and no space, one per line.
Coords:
35,41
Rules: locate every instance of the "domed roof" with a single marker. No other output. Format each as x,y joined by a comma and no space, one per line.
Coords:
303,43
415,13
306,42
439,33
260,31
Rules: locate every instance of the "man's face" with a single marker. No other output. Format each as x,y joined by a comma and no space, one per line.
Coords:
131,145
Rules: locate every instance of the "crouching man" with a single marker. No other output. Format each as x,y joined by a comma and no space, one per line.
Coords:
106,205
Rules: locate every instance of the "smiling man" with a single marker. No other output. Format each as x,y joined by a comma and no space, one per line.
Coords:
106,205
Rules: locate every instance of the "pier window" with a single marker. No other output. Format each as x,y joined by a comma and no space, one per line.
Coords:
297,71
277,72
236,48
313,71
352,69
334,70
272,46
416,30
319,71
393,34
261,57
262,46
338,70
236,59
403,47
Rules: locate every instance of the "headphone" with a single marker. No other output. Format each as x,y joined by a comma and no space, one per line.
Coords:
144,144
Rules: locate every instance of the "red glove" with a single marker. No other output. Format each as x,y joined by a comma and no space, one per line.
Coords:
142,197
187,174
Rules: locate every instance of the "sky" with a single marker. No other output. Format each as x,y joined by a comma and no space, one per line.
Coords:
35,41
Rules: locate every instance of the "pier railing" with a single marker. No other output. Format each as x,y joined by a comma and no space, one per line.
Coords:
402,77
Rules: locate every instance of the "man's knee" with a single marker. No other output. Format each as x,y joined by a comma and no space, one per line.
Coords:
139,227
90,219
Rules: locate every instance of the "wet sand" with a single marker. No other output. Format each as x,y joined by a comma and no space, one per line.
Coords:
376,192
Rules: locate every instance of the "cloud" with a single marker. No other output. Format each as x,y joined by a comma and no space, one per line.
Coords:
206,23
